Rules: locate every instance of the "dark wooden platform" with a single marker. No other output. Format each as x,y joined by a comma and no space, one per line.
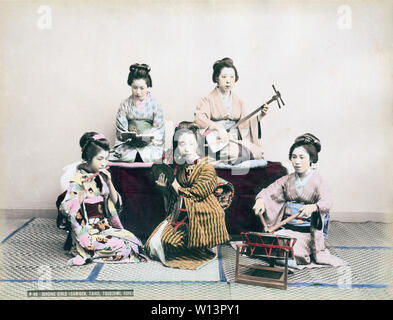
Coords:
144,205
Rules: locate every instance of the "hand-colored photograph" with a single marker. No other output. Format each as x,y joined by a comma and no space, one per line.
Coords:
214,150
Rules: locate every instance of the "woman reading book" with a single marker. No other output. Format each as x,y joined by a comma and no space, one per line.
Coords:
140,130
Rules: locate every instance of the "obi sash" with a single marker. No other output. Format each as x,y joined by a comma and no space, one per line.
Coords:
292,208
139,126
303,224
95,210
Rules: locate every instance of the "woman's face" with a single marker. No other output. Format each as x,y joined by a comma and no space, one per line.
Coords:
300,160
139,89
188,147
226,80
100,161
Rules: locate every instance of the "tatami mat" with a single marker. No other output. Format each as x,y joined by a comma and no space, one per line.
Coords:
154,271
32,258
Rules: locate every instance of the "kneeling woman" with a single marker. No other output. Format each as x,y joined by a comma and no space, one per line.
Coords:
304,186
196,220
92,204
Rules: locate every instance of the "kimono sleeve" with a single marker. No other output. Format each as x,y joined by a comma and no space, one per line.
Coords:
324,199
114,211
121,121
204,185
71,208
246,124
202,114
158,126
274,198
251,127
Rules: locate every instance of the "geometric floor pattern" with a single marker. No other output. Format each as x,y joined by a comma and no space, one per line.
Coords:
32,258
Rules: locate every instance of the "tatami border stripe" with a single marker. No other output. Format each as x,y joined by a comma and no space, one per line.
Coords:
361,247
220,265
94,273
340,286
290,284
17,230
116,281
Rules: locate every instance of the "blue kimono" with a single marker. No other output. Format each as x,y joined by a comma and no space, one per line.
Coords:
147,120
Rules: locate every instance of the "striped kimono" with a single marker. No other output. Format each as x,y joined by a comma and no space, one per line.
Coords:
196,222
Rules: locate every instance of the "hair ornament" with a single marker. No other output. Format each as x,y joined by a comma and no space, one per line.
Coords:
98,136
228,60
137,66
309,138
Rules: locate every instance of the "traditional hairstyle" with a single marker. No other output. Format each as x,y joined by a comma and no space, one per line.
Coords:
310,143
219,65
91,144
139,71
186,127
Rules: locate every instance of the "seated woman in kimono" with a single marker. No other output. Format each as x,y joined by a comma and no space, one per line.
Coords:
140,126
91,205
196,220
304,186
221,109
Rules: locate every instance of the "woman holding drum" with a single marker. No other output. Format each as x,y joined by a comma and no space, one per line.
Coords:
306,190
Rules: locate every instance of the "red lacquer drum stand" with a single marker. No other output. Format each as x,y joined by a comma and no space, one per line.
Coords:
268,247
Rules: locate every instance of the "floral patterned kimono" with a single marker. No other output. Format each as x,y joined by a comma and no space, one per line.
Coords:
196,221
212,109
310,245
97,232
147,118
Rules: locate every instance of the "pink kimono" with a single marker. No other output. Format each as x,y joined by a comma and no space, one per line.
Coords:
211,109
315,192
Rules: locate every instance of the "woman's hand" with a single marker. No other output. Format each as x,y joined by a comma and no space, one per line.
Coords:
307,210
265,109
108,179
162,180
259,206
259,209
106,175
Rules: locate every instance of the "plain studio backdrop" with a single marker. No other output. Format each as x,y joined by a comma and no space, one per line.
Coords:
64,67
